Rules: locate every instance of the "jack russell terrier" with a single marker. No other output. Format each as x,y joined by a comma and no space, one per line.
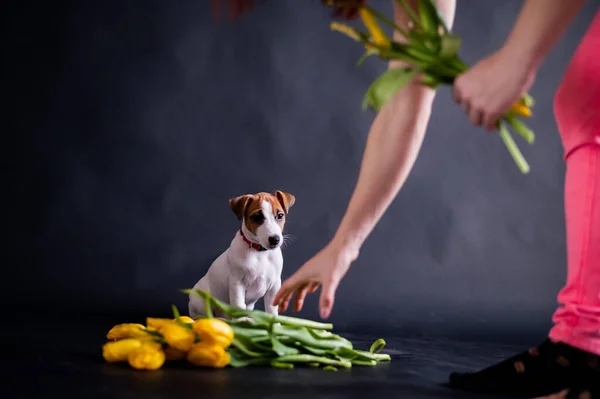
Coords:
250,268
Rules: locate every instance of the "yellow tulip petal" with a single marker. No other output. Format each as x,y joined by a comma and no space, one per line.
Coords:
214,331
126,330
521,109
117,351
177,336
204,354
379,37
146,357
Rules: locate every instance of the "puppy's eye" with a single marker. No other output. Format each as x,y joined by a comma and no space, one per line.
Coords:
258,217
280,216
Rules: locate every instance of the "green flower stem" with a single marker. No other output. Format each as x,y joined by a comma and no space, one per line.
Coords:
527,134
513,149
356,362
282,341
313,359
410,12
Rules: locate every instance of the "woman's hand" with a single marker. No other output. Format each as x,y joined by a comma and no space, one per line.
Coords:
326,268
489,89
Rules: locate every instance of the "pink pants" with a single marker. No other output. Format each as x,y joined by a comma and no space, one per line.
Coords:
577,110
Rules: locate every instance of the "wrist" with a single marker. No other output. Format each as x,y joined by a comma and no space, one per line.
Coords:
346,247
519,52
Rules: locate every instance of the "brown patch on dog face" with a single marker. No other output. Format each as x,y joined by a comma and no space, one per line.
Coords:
250,208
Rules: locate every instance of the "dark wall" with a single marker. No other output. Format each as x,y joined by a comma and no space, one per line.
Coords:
131,123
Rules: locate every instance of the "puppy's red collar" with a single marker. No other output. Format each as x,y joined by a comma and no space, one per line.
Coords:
258,247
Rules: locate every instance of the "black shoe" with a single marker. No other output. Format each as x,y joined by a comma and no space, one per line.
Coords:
547,369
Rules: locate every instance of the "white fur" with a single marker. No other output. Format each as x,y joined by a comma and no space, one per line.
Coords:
243,275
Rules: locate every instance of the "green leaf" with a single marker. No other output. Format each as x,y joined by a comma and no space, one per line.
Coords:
302,335
377,346
248,332
386,85
366,55
243,346
281,365
281,349
176,314
240,359
433,15
449,46
315,351
429,17
430,81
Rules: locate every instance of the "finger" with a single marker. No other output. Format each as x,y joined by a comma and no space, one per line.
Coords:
285,302
327,298
466,106
300,295
312,287
491,122
476,116
282,293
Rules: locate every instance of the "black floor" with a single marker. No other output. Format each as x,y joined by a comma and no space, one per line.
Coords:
64,361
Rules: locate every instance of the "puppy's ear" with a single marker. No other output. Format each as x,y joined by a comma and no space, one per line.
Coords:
239,204
286,200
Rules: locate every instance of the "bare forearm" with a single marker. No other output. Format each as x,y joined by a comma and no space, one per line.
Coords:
392,147
540,24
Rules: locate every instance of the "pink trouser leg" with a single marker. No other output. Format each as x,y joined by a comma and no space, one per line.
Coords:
577,109
577,322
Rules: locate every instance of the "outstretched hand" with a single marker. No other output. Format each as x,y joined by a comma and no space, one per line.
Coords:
326,268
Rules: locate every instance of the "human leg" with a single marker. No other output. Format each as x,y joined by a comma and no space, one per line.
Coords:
569,359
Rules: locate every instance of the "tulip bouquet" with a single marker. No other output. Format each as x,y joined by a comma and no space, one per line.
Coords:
431,51
245,338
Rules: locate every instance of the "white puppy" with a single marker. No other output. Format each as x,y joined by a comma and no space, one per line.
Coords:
250,268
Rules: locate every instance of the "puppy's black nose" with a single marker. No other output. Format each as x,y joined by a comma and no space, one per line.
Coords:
274,240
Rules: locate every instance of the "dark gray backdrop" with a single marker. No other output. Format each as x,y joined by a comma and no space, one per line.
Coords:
131,123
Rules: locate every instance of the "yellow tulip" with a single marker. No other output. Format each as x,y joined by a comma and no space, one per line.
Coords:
204,354
379,37
117,351
185,319
346,30
146,357
173,354
127,330
214,331
177,336
521,109
156,323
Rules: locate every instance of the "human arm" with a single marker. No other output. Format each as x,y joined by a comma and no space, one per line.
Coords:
488,89
392,147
